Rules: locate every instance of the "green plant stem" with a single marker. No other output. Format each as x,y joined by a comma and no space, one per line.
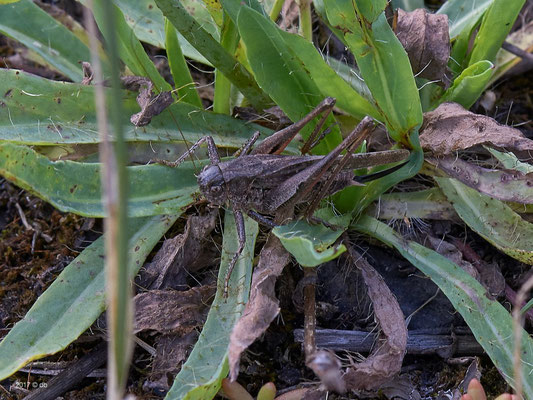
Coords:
276,9
183,81
214,52
306,22
229,40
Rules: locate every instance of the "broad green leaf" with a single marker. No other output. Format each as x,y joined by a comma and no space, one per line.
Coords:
201,376
75,187
214,52
495,26
75,299
130,50
312,245
370,9
38,111
523,39
8,1
183,82
26,22
351,75
489,321
468,86
510,161
147,22
328,82
384,66
463,13
491,219
281,73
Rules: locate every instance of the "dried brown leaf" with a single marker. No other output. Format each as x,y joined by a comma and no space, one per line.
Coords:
505,185
172,310
180,255
151,105
386,359
450,128
171,352
263,305
426,40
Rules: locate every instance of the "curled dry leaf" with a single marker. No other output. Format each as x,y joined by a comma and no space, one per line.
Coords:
450,128
386,359
151,105
263,306
426,40
511,186
171,310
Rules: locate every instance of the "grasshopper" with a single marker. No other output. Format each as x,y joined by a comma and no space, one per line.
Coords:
262,182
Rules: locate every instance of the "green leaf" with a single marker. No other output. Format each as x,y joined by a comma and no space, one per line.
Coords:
510,161
491,219
468,86
281,73
463,14
495,26
75,299
38,111
75,187
26,22
180,70
370,9
147,22
130,50
384,66
214,52
328,82
201,376
408,5
312,245
489,321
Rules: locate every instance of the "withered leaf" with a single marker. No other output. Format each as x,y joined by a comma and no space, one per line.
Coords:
426,40
450,128
263,306
181,254
502,185
151,105
171,310
171,351
386,359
